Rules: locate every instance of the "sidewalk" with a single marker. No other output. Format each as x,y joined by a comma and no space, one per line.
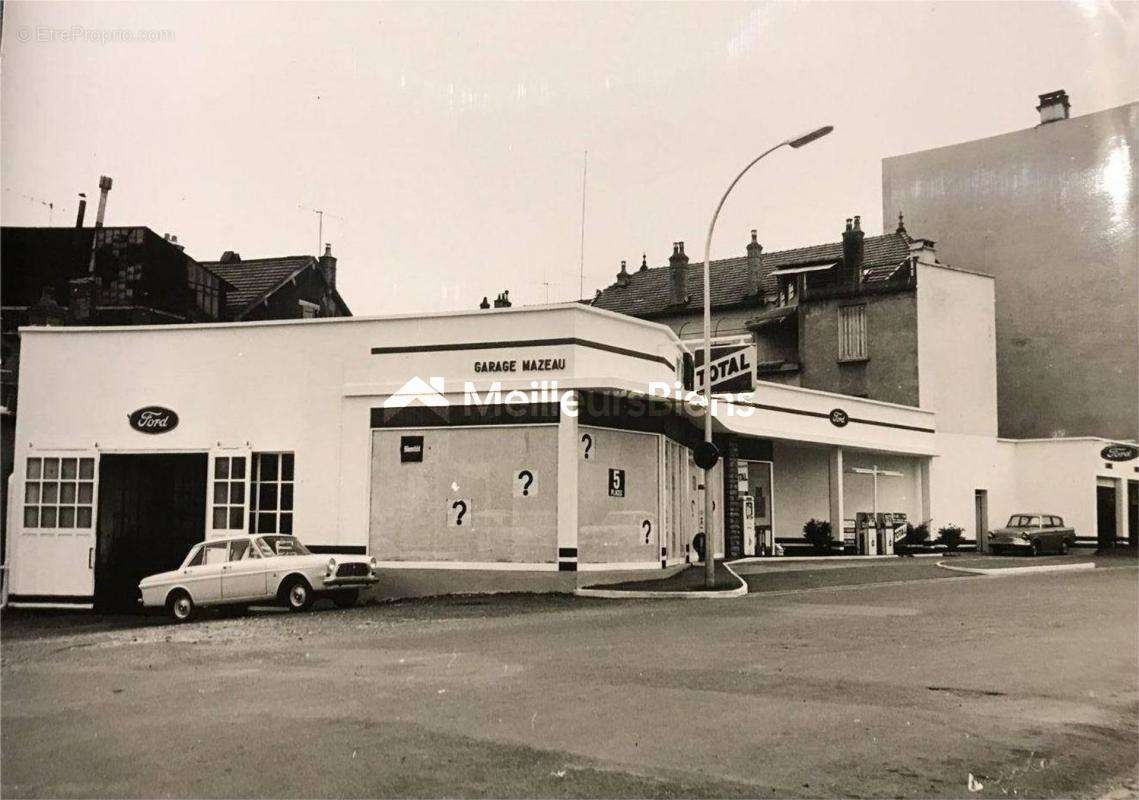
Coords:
688,582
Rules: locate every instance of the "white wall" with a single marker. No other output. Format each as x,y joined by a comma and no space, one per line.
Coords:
957,355
502,519
304,387
801,490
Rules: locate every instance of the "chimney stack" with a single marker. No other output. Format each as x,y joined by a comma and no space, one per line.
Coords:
485,304
644,262
503,300
230,257
852,248
623,275
754,274
82,210
1054,106
104,190
328,266
678,275
173,239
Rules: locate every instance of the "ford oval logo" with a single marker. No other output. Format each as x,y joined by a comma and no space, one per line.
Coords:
153,419
839,418
1119,452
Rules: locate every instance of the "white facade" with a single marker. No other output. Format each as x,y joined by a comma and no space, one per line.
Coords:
328,403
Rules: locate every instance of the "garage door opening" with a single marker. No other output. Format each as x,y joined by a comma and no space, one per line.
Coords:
1105,516
152,509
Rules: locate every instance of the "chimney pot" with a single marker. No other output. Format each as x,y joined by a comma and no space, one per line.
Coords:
623,275
1054,106
82,210
485,304
327,264
852,250
104,189
644,261
754,266
678,275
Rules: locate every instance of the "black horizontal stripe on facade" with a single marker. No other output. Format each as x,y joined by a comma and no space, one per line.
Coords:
826,415
448,416
567,566
338,549
571,340
62,599
567,552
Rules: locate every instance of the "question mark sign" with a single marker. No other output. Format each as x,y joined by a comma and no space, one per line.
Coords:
585,437
528,476
462,507
648,526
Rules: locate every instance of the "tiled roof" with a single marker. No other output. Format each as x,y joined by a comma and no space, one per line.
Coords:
648,291
256,278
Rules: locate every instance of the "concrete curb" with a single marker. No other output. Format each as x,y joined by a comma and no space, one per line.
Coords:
805,559
998,572
620,594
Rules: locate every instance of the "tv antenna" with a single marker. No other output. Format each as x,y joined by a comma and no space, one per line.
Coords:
50,206
319,224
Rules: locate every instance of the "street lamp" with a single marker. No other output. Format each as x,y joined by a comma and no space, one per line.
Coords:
709,539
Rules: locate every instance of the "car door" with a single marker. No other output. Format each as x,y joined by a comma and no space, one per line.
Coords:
202,576
243,576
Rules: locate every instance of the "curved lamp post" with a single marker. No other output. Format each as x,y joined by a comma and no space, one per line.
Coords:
709,539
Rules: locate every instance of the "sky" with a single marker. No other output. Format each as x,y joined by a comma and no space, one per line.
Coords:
446,142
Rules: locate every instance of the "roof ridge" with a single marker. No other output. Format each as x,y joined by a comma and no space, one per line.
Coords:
264,258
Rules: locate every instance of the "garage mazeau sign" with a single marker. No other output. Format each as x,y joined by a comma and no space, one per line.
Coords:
153,419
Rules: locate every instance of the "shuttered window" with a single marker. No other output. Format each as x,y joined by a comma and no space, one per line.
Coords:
852,333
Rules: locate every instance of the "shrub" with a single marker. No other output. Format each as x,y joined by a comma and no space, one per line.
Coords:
916,536
818,533
950,536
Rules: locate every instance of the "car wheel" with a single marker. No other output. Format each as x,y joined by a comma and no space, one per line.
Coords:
180,606
1035,547
1063,547
297,595
346,599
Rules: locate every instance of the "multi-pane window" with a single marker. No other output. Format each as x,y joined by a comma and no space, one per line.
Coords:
205,287
852,333
271,498
229,493
59,493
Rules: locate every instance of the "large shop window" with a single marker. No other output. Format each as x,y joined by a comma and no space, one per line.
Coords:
229,493
271,498
59,492
852,333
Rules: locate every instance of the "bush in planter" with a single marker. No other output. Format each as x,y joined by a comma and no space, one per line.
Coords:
950,536
818,533
916,536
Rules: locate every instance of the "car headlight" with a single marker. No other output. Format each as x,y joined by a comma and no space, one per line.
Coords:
332,566
1025,535
372,562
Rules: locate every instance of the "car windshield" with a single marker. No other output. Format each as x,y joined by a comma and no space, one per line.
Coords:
281,546
1023,521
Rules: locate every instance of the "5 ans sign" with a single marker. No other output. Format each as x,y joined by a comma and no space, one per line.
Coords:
153,419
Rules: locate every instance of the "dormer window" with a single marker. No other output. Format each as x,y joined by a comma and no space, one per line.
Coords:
308,310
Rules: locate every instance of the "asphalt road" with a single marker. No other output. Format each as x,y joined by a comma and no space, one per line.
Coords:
1028,683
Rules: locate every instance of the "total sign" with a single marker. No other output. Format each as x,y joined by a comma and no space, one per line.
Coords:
729,366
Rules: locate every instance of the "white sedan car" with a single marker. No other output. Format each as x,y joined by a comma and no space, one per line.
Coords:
249,569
